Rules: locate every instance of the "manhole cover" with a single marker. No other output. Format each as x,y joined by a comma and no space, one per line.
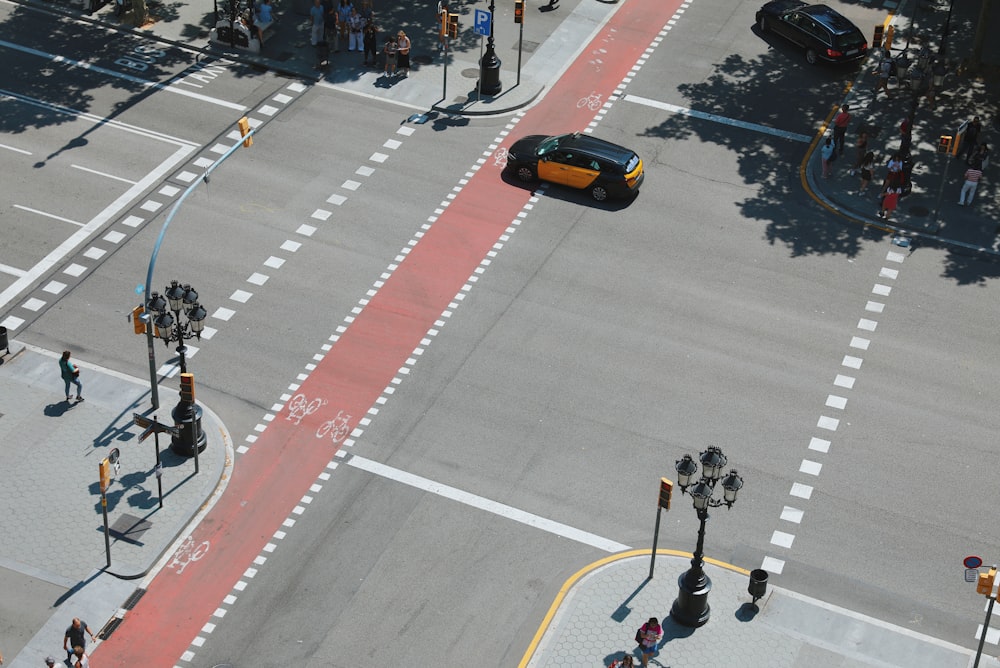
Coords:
918,210
471,73
129,528
527,45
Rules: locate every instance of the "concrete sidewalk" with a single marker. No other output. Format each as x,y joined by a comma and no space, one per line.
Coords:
594,619
931,210
546,43
52,556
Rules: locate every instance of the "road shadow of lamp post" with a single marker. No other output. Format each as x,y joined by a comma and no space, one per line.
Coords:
181,299
691,606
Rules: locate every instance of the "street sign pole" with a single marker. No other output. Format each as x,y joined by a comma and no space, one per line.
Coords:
520,41
159,469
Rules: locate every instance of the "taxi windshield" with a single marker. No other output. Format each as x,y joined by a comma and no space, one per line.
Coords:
549,145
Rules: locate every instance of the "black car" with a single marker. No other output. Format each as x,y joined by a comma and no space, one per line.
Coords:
580,161
823,32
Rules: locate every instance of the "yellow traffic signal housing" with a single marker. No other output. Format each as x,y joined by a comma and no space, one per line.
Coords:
104,469
518,11
137,322
985,584
187,387
453,25
445,18
244,124
666,490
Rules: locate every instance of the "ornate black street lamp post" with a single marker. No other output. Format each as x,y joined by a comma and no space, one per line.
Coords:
170,327
691,607
489,66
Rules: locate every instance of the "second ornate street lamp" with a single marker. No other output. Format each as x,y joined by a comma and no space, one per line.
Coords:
691,607
169,327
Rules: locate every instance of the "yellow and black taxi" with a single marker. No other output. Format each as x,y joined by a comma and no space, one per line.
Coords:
579,161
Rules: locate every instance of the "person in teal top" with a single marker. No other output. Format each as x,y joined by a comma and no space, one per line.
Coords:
70,374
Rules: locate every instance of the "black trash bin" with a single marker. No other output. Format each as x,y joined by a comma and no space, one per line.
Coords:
3,339
758,584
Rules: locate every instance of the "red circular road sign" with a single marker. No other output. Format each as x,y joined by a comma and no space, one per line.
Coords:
972,562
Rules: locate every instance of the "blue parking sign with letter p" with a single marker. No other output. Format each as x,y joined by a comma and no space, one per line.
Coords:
483,21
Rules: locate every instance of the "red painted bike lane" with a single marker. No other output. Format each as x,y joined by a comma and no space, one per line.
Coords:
271,478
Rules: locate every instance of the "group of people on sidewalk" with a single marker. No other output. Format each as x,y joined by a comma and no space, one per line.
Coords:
344,24
899,165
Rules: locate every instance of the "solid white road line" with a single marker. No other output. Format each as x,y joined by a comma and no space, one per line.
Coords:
16,150
489,506
673,108
48,215
105,175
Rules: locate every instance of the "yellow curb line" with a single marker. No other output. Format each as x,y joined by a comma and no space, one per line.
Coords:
573,579
803,166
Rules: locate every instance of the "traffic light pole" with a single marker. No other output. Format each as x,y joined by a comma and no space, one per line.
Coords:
988,579
656,538
248,133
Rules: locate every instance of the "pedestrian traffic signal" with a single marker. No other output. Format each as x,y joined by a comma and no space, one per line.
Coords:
187,387
666,490
453,25
944,143
244,124
137,322
985,584
518,11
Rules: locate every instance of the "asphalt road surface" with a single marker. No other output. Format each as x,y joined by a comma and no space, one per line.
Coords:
598,344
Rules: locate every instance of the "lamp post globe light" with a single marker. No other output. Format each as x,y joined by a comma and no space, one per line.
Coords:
166,314
691,607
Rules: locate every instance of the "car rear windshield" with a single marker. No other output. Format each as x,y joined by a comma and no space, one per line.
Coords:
851,40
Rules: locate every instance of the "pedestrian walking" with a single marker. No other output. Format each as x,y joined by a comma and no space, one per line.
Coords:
370,36
889,202
71,375
826,154
366,12
861,147
625,662
356,28
970,140
344,20
972,176
866,169
403,53
264,17
75,635
80,658
49,661
883,72
981,158
894,173
840,122
648,636
317,21
390,56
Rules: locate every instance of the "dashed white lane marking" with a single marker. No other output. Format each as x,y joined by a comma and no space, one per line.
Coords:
485,504
809,467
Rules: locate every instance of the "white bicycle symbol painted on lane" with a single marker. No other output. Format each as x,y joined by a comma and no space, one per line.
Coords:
500,157
338,427
593,101
188,552
299,407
